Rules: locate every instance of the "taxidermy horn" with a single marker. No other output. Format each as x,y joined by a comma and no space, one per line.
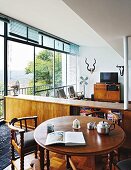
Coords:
90,69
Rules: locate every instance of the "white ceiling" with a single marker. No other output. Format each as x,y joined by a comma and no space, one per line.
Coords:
111,19
53,16
80,21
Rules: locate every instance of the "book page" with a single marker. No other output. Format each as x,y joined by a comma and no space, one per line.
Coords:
75,138
55,137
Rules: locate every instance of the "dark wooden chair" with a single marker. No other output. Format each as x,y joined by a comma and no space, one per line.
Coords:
61,93
124,164
116,119
113,156
73,94
22,138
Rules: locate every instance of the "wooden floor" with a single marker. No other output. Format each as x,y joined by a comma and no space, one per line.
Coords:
58,163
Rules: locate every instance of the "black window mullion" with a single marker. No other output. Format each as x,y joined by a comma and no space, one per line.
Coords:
5,61
27,33
5,65
54,71
34,73
66,76
42,40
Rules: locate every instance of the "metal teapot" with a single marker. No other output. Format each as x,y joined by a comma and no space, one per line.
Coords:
104,128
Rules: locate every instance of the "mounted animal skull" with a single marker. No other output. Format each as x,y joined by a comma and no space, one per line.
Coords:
90,69
121,69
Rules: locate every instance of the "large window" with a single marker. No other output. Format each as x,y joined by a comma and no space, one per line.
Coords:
36,60
20,57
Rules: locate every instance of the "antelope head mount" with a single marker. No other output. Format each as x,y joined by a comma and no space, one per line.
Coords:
92,69
121,69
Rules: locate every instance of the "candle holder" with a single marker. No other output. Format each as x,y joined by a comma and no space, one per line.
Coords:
76,124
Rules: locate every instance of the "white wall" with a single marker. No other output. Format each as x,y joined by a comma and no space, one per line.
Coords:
106,61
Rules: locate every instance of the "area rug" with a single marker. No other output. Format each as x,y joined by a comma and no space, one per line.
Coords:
5,147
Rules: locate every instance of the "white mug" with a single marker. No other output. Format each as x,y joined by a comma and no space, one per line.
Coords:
91,125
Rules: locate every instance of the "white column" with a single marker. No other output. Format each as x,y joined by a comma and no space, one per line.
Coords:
125,45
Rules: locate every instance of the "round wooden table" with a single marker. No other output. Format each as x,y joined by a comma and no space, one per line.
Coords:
96,144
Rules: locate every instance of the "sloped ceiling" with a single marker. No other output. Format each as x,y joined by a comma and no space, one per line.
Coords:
111,19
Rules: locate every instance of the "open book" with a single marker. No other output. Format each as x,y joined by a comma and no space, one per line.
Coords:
66,138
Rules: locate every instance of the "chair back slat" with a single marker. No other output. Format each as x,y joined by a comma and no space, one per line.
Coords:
21,124
35,121
25,125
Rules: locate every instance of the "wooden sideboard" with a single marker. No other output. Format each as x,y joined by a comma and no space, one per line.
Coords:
107,92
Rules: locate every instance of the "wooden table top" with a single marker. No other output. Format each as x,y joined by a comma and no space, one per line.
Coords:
96,144
71,102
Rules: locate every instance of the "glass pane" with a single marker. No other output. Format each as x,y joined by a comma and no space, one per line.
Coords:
20,67
1,77
33,35
58,45
60,70
66,47
48,42
74,49
71,69
18,28
40,39
1,28
43,72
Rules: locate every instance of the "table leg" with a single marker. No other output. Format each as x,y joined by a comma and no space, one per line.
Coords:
110,160
67,162
91,163
48,159
41,158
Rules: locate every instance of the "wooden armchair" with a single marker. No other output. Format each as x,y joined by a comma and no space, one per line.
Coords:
22,138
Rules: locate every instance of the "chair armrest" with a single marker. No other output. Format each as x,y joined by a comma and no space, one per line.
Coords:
16,128
23,121
14,131
27,118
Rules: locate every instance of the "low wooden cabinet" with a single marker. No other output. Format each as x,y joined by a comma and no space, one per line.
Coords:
107,92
